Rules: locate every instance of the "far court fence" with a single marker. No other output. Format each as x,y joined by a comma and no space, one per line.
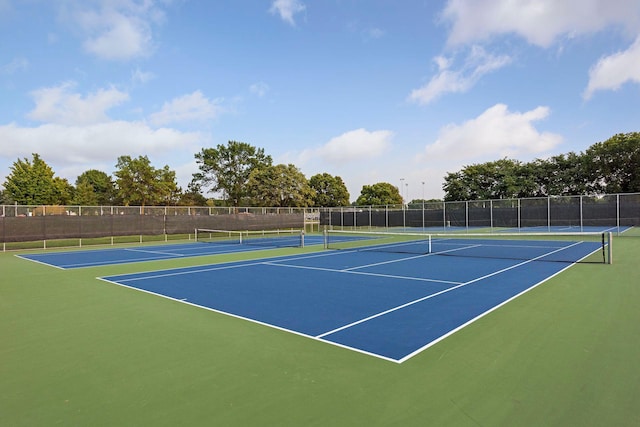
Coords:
23,227
618,212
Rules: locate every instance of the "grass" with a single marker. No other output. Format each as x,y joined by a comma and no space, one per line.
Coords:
93,241
79,351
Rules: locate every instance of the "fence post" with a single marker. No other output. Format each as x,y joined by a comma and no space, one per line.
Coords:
466,214
386,216
581,216
444,215
618,212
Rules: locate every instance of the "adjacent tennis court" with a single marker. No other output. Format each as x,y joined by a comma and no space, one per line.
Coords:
375,297
209,243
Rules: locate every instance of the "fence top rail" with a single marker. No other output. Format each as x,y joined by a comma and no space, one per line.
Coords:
36,210
586,198
80,210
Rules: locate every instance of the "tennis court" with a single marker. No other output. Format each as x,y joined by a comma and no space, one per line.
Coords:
203,247
378,298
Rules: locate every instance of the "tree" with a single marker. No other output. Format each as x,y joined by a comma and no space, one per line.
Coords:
613,165
139,183
606,167
85,195
379,194
94,187
279,186
561,175
501,179
64,192
31,183
329,190
227,169
192,197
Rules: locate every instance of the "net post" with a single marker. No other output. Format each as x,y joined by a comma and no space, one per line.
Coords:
302,239
195,234
325,235
610,248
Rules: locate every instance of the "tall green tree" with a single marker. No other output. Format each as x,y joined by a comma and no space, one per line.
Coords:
64,191
85,195
279,186
614,165
329,190
192,197
31,182
139,183
499,179
560,175
605,167
94,187
226,169
379,194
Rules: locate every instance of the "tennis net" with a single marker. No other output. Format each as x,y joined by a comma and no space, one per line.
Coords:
268,238
553,247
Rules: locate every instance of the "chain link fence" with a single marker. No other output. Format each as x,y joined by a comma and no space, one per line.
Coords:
615,211
46,226
24,226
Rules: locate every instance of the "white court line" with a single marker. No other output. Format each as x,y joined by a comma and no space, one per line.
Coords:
238,264
161,257
436,294
41,262
412,257
237,316
386,262
361,273
321,336
481,315
153,252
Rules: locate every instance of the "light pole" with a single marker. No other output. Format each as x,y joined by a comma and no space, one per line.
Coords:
404,221
408,200
423,226
401,191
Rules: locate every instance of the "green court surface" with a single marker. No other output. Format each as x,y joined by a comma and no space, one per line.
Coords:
77,351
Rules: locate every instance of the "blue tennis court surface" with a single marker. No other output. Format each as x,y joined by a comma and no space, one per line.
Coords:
98,257
388,305
532,229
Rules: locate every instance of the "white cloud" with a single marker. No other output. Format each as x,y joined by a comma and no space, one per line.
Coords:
60,105
77,133
191,107
356,145
612,71
124,38
375,33
476,64
287,9
66,145
17,64
495,133
141,77
540,22
118,30
259,89
366,31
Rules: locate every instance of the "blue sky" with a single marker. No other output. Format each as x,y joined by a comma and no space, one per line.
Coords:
369,90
